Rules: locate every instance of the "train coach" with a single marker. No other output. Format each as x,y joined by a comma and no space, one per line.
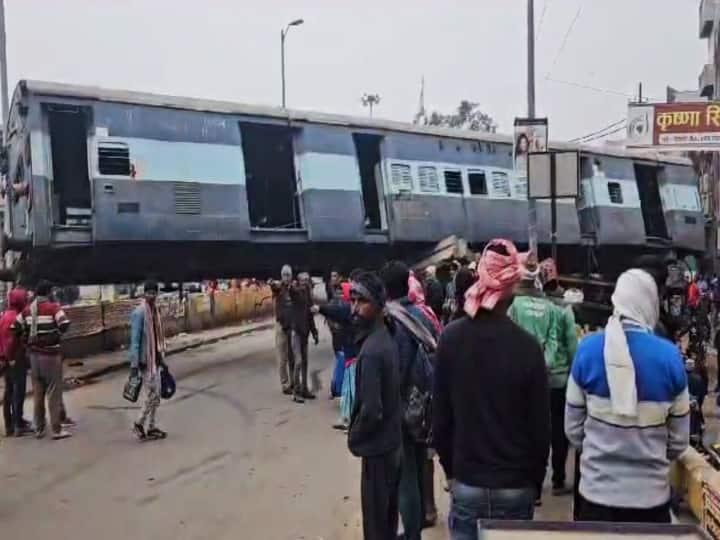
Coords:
110,186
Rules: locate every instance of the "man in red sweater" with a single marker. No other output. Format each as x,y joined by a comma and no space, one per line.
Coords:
14,363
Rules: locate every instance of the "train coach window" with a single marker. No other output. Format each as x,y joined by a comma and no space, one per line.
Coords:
401,178
478,183
615,192
114,158
453,182
429,182
501,184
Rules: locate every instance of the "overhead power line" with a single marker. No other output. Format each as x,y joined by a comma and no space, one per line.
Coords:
607,91
600,131
565,39
602,135
542,19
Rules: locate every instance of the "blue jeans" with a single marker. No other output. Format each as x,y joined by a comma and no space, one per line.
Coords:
411,496
469,504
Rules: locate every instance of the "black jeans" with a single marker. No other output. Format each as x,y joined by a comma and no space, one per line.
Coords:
589,511
559,441
14,396
379,483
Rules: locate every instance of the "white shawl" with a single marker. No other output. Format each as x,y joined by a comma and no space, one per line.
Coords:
635,301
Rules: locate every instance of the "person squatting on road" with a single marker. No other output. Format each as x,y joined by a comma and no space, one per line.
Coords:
42,324
374,434
628,410
412,325
491,404
554,328
303,325
147,357
14,363
282,304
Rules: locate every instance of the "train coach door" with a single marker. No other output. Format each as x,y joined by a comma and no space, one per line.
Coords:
271,181
367,148
650,202
71,197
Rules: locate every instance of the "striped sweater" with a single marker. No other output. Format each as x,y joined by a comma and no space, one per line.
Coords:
625,461
52,322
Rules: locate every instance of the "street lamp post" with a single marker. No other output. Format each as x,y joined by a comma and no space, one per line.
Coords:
370,100
283,33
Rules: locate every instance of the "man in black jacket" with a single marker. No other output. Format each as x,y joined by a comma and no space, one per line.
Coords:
303,325
491,406
374,434
413,490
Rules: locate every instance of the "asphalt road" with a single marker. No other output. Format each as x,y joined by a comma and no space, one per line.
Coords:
242,461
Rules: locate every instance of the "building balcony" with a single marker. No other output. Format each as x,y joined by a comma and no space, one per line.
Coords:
707,17
706,81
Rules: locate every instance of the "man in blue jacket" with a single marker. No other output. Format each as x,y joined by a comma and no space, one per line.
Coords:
628,410
147,357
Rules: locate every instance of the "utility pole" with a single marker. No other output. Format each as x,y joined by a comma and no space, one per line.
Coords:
532,208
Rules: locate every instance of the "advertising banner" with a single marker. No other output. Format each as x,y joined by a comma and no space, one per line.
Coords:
674,126
531,135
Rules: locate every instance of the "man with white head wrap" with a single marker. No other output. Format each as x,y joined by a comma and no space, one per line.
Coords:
282,303
627,410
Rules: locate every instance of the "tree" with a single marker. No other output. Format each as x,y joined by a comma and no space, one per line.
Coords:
468,116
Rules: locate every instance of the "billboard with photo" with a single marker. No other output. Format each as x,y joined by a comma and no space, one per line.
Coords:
531,135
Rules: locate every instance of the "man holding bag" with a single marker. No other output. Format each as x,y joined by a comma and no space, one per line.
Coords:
147,358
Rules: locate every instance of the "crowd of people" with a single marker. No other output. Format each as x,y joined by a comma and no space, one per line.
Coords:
487,373
30,332
31,329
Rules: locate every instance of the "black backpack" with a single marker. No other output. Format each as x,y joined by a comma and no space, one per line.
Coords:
418,379
417,416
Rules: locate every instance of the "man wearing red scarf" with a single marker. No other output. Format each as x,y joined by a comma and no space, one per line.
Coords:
491,407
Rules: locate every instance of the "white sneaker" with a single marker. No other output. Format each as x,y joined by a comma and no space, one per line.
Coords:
62,434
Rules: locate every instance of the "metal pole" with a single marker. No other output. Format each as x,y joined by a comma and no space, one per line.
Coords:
3,61
282,64
532,209
553,209
4,97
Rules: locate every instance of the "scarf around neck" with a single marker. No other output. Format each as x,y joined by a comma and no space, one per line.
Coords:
635,302
153,337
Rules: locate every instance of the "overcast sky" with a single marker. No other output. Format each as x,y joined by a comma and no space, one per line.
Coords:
465,49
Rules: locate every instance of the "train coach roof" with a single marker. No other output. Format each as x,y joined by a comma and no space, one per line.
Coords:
65,90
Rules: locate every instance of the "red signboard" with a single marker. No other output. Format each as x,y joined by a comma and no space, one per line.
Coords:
674,125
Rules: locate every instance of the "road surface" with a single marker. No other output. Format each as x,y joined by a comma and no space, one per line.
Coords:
241,460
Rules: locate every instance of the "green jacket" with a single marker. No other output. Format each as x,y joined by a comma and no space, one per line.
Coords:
554,328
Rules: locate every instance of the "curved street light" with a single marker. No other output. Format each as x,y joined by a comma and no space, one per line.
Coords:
283,33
